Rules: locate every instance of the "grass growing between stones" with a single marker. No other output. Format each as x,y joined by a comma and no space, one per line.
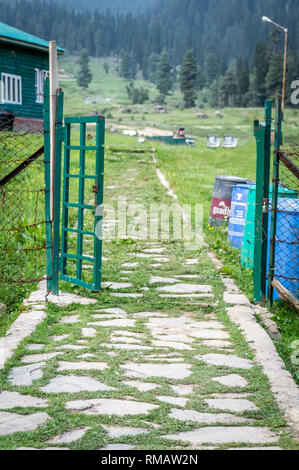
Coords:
157,422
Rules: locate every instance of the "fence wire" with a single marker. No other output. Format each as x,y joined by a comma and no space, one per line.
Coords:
286,269
22,199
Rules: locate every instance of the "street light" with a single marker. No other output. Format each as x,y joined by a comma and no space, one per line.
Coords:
285,30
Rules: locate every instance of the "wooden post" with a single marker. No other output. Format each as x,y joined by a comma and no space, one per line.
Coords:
53,70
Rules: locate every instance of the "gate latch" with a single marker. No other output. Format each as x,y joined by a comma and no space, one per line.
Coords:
265,206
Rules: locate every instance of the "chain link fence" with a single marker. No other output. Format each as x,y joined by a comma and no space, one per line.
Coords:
286,267
22,201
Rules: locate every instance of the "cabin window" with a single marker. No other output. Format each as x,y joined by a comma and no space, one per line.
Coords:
40,76
11,88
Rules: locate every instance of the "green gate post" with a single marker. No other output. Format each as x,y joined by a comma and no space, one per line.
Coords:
47,184
262,133
99,201
57,189
275,181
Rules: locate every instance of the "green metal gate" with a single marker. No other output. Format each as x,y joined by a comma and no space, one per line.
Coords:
63,227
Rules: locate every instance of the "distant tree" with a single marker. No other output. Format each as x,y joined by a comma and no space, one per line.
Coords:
214,95
137,95
128,66
229,89
273,80
106,68
84,76
212,68
200,78
260,69
242,80
188,79
152,67
164,83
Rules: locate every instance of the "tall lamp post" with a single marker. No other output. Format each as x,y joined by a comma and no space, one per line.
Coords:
285,30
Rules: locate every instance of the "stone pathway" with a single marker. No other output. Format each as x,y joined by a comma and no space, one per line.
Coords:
161,368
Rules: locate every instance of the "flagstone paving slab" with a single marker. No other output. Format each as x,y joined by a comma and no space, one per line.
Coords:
130,334
128,347
31,358
215,343
65,298
150,315
235,405
235,299
225,435
117,431
210,334
231,380
12,422
25,375
34,347
70,319
74,384
154,250
130,265
160,280
186,296
182,389
70,436
89,332
109,406
58,337
172,344
10,400
178,401
124,339
123,322
141,386
128,295
117,285
179,337
72,347
186,288
226,360
169,371
115,310
117,447
64,365
206,418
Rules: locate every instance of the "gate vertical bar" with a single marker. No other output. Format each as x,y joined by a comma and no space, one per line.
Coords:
81,199
263,140
65,197
57,190
98,242
275,182
47,185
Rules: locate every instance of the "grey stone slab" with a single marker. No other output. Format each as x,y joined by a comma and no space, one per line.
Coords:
209,334
154,250
235,299
86,356
130,265
117,285
178,337
25,375
150,315
117,447
119,431
122,322
172,344
70,319
89,332
109,406
129,334
114,310
217,343
227,360
70,436
65,365
178,401
59,337
207,325
141,386
231,404
12,422
34,347
127,295
231,380
206,418
124,339
72,347
31,358
182,389
128,347
191,261
160,280
225,435
10,400
186,296
188,276
186,289
64,299
74,384
170,371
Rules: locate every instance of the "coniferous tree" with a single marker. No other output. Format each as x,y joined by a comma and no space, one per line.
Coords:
273,80
212,68
106,68
188,79
152,68
84,76
164,83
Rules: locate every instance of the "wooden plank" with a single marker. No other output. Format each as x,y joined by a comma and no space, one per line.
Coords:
284,294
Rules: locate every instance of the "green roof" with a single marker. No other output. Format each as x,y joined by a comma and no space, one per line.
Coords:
17,36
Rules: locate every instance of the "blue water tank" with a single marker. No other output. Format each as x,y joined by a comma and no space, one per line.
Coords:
287,245
237,218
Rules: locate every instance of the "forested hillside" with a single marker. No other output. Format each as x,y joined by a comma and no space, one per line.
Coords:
116,6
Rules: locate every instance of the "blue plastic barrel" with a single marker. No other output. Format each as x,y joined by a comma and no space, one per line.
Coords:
287,245
237,218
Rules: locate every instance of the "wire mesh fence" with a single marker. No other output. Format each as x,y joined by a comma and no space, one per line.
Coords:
286,268
22,193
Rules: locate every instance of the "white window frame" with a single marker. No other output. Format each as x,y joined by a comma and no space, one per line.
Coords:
40,75
15,92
